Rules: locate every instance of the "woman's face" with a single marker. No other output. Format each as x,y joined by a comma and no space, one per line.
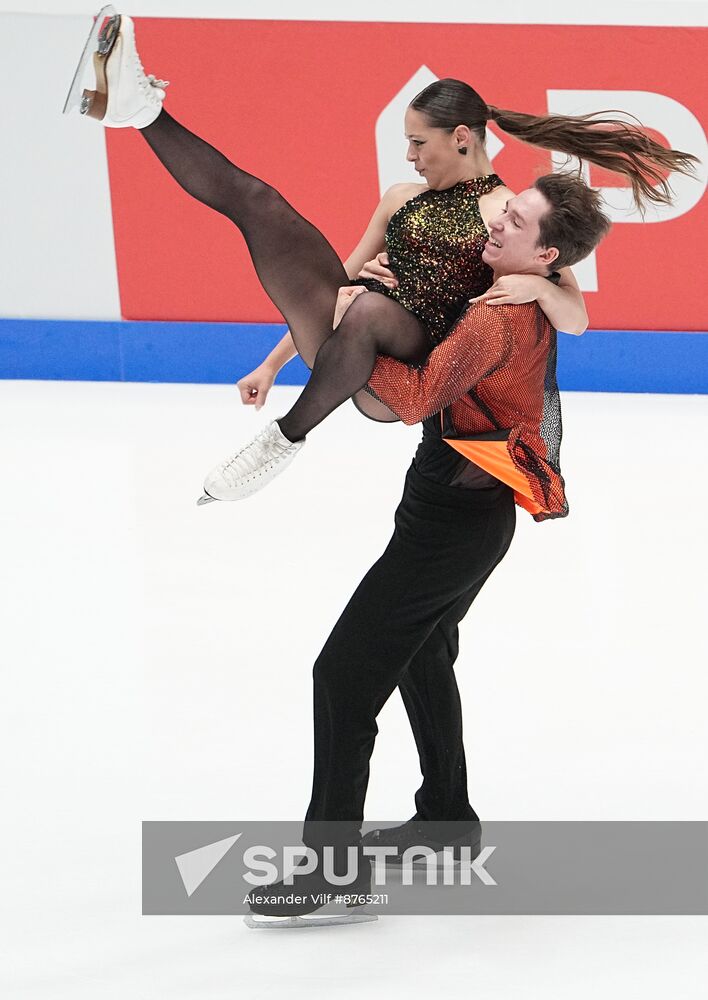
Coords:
432,151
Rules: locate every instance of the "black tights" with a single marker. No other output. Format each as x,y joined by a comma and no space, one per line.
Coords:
301,274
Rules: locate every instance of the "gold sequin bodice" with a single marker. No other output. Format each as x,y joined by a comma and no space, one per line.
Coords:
434,244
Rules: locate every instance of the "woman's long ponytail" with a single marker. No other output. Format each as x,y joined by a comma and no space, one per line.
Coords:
607,142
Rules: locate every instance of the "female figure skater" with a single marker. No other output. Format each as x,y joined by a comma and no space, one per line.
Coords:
299,269
400,627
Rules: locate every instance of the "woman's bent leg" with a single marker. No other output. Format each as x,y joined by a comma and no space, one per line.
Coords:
296,265
372,325
373,408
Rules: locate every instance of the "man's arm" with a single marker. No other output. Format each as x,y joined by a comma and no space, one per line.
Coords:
564,304
481,340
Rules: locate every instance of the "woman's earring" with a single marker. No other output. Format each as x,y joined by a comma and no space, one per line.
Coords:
462,150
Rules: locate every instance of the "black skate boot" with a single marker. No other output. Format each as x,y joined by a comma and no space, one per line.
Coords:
436,835
312,901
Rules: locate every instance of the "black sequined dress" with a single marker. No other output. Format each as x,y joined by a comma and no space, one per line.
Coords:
434,244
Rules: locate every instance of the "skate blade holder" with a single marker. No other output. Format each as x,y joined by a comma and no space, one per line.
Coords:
99,43
449,859
257,922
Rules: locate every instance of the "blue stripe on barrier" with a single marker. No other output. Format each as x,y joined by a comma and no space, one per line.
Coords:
599,361
138,351
634,361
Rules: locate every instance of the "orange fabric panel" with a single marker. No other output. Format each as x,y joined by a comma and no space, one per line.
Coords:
493,457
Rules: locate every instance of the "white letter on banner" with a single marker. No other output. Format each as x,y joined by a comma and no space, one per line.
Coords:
676,123
390,144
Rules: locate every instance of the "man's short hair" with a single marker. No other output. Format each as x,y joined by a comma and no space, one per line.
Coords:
575,223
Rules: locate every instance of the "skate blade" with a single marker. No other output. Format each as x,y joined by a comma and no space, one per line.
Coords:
207,499
108,32
257,922
440,865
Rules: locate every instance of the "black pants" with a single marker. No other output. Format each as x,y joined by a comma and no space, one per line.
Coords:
399,629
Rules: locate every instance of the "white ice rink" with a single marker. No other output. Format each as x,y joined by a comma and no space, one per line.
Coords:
157,664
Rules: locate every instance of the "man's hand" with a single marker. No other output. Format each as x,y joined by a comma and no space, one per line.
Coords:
345,297
513,289
379,270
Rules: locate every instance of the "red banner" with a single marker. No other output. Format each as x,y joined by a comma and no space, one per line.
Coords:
297,103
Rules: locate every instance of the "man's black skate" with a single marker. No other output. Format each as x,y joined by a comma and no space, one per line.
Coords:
436,835
311,901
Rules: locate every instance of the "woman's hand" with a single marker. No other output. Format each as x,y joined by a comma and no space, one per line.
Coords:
345,297
513,289
379,270
255,386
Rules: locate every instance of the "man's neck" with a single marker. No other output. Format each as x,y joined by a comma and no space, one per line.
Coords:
544,272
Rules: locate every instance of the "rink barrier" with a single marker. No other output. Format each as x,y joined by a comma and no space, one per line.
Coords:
128,351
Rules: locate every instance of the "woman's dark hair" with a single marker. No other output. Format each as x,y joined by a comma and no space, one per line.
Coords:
575,222
449,103
606,142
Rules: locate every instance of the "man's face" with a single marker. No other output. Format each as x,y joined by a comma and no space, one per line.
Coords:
516,231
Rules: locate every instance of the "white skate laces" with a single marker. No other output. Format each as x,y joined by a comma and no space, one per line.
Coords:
250,459
153,88
152,80
252,467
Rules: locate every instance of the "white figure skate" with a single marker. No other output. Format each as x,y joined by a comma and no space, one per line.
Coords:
251,468
124,96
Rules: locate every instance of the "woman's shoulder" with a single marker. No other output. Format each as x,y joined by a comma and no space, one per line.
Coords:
398,194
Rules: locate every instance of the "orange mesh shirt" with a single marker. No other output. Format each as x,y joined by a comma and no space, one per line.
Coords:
494,379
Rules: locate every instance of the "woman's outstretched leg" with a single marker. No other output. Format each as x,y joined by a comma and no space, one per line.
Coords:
296,265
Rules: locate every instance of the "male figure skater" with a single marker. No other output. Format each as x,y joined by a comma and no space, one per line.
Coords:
489,402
